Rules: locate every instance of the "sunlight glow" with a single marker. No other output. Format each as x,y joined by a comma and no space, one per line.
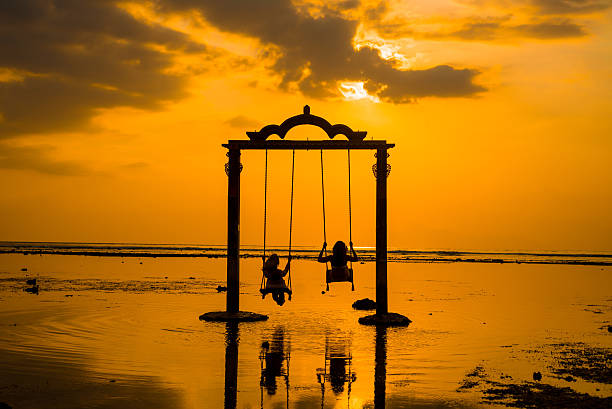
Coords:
387,50
354,90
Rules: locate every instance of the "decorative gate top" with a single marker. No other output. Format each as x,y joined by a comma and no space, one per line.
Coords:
306,119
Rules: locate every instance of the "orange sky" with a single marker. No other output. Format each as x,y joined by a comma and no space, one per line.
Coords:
112,116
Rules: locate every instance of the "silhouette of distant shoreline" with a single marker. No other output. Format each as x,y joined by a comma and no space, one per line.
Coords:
368,254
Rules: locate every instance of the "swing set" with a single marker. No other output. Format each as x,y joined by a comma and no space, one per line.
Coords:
258,140
332,274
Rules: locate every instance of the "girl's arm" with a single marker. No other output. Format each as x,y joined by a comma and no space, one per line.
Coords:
353,255
286,270
322,259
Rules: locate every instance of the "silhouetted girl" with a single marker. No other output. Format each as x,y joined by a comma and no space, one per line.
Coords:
339,257
274,278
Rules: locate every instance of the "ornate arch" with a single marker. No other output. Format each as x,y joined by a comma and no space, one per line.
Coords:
306,119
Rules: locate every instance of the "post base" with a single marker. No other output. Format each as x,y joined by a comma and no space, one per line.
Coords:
240,316
389,319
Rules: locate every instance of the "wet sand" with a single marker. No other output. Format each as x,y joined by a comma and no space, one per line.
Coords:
110,332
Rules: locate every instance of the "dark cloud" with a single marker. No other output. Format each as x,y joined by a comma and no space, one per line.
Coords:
490,29
76,57
549,30
571,6
39,159
316,53
242,122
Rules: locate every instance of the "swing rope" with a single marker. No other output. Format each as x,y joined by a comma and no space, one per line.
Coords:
291,213
348,151
323,196
263,278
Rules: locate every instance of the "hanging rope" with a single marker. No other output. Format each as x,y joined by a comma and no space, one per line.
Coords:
323,196
263,278
348,153
291,213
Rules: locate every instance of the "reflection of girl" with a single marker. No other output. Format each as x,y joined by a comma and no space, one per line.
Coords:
338,258
337,374
274,278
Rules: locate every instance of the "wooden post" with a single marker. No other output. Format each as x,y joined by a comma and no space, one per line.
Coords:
381,231
233,231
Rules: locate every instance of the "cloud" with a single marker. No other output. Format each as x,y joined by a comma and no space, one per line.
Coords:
488,30
77,57
316,53
242,122
571,6
38,159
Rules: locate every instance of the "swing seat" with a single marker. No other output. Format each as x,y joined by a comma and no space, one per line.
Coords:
274,287
268,290
339,275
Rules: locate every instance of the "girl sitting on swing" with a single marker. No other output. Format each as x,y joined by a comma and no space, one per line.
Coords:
275,283
339,258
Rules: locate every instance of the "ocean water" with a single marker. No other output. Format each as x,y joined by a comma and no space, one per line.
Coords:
121,329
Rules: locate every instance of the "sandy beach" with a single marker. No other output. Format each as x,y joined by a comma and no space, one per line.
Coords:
113,332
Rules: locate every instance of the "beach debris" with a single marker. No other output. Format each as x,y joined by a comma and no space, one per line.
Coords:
31,281
537,376
579,360
67,295
192,278
221,288
609,328
112,380
364,304
32,290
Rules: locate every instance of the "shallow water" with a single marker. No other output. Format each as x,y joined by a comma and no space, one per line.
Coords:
112,332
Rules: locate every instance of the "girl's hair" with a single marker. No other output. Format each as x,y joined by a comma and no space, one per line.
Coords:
339,253
272,262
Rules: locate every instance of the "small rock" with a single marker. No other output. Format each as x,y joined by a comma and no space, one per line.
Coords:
166,277
609,328
430,313
569,379
31,281
192,278
221,288
364,304
265,345
537,376
5,406
112,380
322,292
68,295
32,290
24,269
141,262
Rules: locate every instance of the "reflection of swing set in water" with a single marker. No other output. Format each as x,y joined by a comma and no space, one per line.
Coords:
338,357
271,358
